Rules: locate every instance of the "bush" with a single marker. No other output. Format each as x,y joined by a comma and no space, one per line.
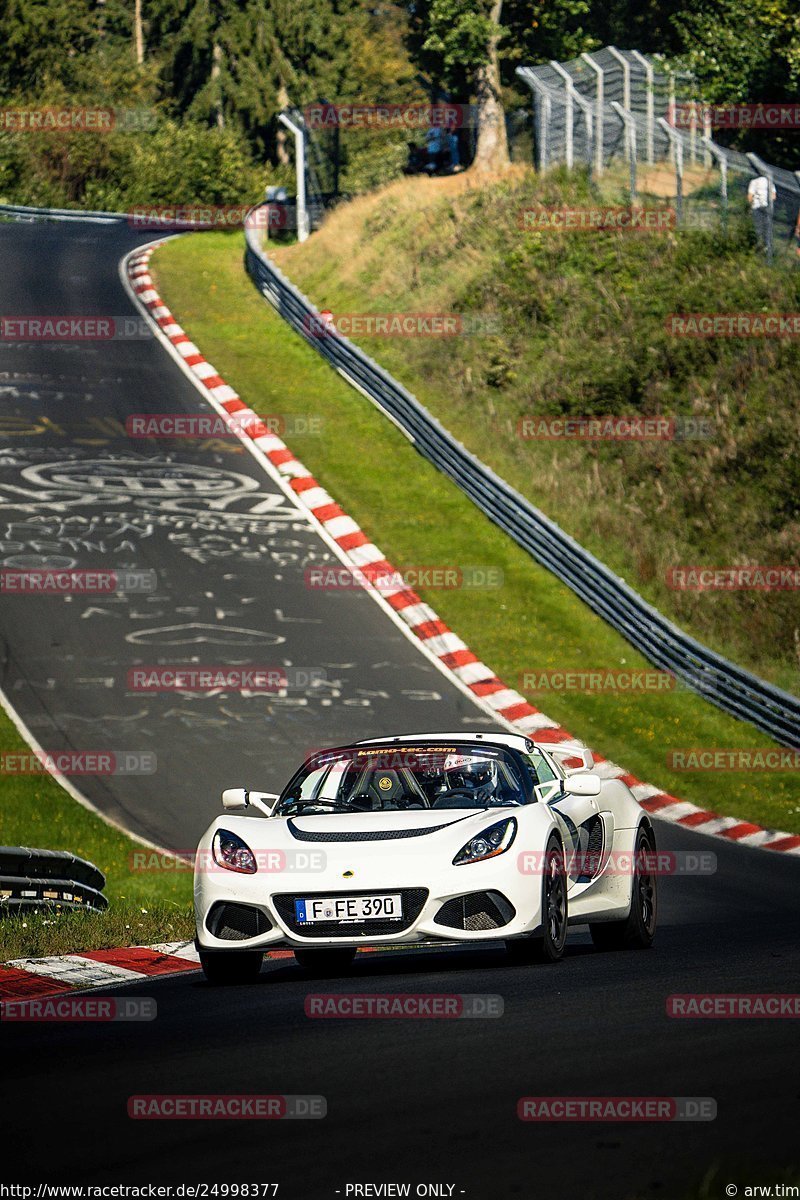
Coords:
172,164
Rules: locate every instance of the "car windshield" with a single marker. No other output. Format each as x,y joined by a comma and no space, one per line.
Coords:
398,778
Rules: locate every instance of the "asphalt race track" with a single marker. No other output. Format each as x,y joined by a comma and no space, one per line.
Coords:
229,554
408,1102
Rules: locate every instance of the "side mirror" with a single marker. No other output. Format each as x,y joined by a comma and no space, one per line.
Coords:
582,785
240,799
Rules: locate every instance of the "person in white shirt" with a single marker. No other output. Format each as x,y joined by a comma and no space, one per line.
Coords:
759,194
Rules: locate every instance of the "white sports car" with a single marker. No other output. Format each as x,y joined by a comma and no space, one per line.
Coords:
424,839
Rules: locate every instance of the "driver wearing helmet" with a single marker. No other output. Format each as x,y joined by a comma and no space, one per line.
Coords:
478,776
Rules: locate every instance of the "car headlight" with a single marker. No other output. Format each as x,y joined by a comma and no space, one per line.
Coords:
231,852
491,842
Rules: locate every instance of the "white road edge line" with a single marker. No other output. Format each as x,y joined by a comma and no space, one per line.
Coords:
275,475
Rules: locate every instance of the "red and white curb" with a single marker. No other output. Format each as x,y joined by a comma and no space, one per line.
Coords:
32,978
448,650
26,978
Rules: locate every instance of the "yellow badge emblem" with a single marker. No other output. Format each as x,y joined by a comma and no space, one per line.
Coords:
384,783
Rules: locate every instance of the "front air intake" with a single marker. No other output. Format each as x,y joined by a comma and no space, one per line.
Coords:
237,922
477,911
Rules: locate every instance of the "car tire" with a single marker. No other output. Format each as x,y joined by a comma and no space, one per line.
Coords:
228,967
637,930
547,946
326,962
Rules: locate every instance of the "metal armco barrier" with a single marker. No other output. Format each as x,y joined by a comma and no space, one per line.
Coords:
21,212
731,688
47,879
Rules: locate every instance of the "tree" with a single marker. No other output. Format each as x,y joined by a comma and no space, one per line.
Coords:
470,48
742,50
457,41
491,150
746,52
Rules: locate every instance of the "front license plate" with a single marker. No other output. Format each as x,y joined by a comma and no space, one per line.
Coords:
349,908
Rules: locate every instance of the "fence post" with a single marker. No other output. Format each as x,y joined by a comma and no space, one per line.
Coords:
693,132
300,169
630,137
586,109
671,112
570,113
598,133
719,154
648,69
626,89
766,170
676,145
706,138
542,95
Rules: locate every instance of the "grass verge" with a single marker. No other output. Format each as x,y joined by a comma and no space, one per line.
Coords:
152,906
532,623
583,328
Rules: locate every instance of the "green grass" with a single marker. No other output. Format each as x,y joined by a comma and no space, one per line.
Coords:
417,516
36,811
123,924
583,332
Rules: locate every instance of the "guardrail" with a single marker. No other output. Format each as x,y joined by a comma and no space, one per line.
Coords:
48,879
730,687
720,681
22,212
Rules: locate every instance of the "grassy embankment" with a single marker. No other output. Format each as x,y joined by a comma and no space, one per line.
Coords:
145,906
533,623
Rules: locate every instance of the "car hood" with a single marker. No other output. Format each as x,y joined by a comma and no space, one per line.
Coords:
389,826
416,826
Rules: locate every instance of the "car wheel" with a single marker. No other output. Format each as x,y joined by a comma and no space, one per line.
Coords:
638,929
325,962
548,946
231,966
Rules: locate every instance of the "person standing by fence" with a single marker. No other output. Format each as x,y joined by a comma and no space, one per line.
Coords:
760,193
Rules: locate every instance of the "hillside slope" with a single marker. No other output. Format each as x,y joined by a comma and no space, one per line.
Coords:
582,332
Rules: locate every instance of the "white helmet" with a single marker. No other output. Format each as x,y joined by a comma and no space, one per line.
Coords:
469,773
